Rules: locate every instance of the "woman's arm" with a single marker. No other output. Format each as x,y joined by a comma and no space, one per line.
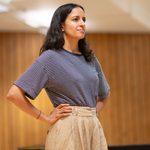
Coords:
100,104
17,96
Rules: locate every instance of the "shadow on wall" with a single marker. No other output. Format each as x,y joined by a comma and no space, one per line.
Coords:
121,147
130,147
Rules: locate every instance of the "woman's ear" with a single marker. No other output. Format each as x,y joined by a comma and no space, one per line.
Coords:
62,27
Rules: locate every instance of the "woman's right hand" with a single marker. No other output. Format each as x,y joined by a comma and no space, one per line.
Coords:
63,110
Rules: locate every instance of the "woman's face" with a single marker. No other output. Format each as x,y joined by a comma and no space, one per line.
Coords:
74,25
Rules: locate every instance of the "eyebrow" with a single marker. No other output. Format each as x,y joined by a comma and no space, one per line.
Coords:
79,16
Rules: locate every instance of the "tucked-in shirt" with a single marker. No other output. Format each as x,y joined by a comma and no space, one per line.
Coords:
67,78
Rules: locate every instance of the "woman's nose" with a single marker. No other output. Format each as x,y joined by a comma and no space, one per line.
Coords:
82,22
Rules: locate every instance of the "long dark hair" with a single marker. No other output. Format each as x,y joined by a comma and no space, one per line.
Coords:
54,39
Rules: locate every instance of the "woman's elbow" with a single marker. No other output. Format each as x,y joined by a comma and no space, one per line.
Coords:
10,95
13,94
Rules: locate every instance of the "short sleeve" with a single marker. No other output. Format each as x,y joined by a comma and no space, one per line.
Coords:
104,87
33,80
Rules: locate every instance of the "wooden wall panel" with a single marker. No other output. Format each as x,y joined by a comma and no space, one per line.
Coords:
18,51
125,59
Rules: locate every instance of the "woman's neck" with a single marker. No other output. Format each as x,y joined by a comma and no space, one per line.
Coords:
71,45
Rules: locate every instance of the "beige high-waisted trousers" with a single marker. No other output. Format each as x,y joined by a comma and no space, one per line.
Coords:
79,131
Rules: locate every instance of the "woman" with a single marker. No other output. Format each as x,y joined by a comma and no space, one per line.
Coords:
74,81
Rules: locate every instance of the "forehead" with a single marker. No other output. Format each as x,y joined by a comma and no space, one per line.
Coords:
77,12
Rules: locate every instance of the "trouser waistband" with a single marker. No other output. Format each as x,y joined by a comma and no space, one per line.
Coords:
83,111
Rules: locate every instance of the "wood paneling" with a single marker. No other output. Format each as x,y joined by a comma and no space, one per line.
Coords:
125,59
17,129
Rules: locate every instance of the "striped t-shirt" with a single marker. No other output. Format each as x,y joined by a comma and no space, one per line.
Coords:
67,78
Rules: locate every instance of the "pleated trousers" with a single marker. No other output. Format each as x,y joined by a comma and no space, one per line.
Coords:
81,130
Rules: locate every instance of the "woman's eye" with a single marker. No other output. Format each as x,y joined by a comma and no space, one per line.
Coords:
84,19
75,19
